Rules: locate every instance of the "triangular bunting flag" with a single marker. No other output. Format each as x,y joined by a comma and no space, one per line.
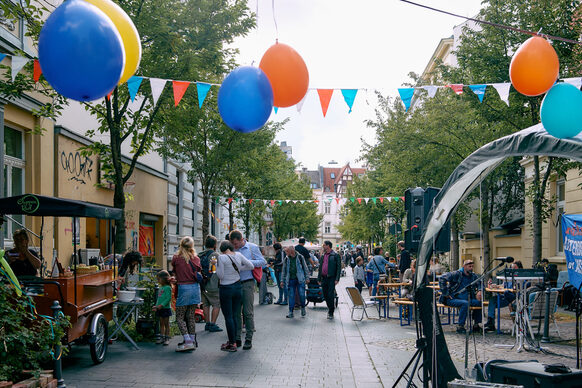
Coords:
457,88
324,98
349,97
179,90
406,96
202,89
109,95
401,198
280,202
133,85
366,200
352,199
479,90
503,90
374,199
229,201
17,65
389,199
287,200
302,201
576,81
381,199
276,109
2,56
272,202
431,90
265,201
236,200
359,200
157,85
315,201
337,200
300,103
217,200
251,201
37,71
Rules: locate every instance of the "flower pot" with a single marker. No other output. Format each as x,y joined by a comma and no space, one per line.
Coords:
144,326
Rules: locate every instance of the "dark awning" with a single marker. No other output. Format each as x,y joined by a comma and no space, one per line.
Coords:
39,205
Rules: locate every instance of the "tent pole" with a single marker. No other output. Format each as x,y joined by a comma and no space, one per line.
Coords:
75,258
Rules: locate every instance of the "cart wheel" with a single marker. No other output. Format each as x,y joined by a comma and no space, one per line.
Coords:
98,344
197,318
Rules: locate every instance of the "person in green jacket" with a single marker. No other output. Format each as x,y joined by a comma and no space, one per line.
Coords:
162,307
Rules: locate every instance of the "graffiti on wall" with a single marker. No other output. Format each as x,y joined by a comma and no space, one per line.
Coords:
78,166
130,220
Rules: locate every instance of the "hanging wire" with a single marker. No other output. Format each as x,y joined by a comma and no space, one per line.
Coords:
497,25
275,20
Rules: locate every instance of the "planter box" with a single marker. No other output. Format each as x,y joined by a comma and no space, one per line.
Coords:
45,380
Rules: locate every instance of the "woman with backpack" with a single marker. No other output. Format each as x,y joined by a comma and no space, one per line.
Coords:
228,269
186,269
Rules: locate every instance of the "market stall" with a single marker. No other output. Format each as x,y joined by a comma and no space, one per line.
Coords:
85,293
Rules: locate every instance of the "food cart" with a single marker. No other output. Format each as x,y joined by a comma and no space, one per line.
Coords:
86,295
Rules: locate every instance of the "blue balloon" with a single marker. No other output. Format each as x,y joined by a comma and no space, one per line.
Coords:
80,51
245,99
561,111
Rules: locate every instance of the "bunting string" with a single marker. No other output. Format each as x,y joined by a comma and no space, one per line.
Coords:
273,202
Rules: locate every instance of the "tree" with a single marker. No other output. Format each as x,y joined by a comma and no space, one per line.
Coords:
181,40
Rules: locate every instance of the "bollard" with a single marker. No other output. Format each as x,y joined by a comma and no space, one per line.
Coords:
546,336
56,307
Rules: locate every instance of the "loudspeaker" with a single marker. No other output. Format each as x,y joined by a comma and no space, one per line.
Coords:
533,375
418,203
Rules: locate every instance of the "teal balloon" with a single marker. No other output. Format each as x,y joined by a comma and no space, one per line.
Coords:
561,111
80,51
245,99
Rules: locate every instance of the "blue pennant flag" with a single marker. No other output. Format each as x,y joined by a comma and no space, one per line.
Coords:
572,235
349,97
202,89
479,90
406,96
276,109
2,56
133,85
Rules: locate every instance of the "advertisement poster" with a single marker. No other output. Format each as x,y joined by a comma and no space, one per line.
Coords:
146,240
572,232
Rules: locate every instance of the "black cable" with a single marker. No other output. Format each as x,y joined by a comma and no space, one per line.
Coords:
497,25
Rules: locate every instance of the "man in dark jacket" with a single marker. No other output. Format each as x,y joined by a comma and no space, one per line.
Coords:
404,263
329,275
456,293
278,267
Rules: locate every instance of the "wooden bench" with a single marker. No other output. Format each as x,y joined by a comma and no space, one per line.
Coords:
401,302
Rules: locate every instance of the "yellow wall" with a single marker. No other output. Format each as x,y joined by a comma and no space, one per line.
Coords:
500,246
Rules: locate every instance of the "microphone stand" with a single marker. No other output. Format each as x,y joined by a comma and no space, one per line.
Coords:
468,287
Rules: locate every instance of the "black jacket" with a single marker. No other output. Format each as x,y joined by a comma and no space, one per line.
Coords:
334,266
450,284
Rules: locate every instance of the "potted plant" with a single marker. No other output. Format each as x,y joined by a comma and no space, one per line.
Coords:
145,324
27,341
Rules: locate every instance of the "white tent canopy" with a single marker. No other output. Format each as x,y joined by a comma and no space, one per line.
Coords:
294,241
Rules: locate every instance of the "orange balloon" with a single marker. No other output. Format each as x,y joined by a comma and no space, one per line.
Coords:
287,73
534,67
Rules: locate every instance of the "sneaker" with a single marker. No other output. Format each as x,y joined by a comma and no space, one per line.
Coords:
230,348
189,346
290,315
329,316
238,343
160,340
477,328
248,345
166,341
224,345
214,328
303,312
277,302
284,303
207,326
461,329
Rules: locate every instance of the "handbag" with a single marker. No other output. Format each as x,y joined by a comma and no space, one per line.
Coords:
197,275
257,271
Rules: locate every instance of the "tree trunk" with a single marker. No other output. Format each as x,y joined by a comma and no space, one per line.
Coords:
455,246
537,214
205,213
230,217
118,195
247,220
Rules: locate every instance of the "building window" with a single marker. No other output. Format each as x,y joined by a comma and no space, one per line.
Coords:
327,207
560,205
332,175
314,185
13,173
327,229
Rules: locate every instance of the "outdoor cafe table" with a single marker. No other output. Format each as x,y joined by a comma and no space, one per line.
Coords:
498,292
389,286
132,308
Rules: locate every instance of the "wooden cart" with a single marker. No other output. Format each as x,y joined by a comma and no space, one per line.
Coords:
87,299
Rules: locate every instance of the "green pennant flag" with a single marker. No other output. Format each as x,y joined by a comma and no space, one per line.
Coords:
217,199
353,199
374,199
236,200
396,199
280,202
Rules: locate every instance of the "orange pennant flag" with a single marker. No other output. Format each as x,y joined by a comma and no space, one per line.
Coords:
37,71
272,202
179,90
360,201
337,200
251,201
324,99
381,199
229,200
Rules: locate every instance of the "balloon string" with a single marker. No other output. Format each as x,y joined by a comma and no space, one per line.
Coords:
497,25
275,20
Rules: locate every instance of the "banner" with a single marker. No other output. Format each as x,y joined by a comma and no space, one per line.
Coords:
146,240
572,235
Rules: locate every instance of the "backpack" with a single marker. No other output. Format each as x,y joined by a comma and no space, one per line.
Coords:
205,264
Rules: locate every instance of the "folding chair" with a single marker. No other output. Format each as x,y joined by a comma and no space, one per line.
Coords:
359,302
537,308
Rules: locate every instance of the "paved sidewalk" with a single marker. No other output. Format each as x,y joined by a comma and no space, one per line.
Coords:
299,352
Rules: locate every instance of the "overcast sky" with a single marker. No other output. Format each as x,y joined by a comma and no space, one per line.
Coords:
364,44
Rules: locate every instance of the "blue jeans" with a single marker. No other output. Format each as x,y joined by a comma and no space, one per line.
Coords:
504,301
293,286
464,308
282,290
375,284
230,301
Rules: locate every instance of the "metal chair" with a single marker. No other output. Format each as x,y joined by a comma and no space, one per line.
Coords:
359,302
537,308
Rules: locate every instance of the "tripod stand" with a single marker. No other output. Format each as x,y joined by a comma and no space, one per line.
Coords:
421,344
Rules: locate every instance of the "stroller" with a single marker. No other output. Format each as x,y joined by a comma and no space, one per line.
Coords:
315,292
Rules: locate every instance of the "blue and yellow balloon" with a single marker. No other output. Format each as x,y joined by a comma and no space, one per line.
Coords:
561,111
245,99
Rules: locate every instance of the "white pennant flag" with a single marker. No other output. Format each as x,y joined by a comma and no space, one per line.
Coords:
366,199
300,103
294,201
389,199
287,200
17,65
431,90
503,90
265,201
576,81
157,85
302,201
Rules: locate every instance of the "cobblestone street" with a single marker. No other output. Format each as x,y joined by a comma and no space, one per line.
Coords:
299,352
